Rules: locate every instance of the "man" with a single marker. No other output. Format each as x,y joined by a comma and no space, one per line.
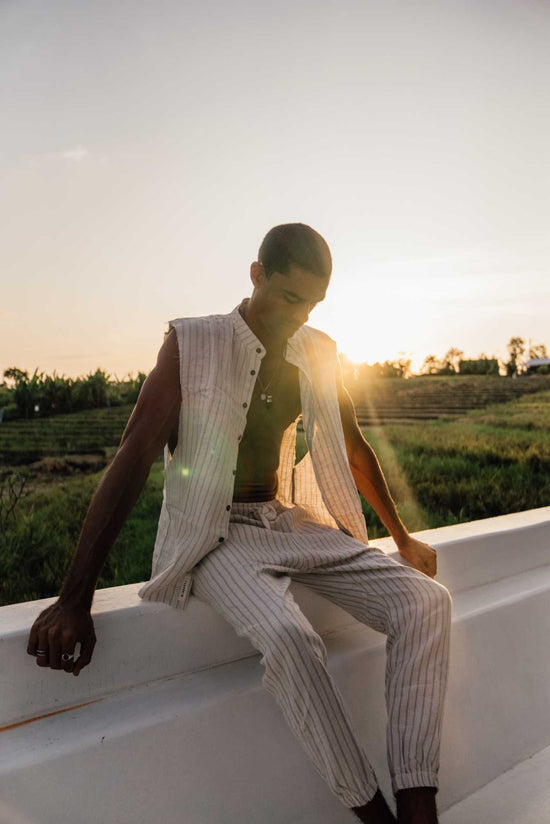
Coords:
239,521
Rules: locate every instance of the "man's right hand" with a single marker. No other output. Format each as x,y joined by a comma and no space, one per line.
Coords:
56,631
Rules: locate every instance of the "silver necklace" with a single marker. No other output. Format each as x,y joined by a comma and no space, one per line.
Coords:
266,396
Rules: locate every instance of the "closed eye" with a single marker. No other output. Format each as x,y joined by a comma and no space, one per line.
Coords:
294,299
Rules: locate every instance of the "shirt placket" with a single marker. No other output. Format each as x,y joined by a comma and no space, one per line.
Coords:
247,381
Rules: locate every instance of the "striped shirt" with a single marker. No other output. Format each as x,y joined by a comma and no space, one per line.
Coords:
219,356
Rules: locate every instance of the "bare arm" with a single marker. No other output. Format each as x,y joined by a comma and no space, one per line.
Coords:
153,418
371,483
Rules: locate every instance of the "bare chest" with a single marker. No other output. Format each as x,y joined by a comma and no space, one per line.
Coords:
275,403
273,407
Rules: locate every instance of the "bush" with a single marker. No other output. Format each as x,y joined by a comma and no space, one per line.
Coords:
35,546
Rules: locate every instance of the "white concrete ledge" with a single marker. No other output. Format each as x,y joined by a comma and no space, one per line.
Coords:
140,641
178,696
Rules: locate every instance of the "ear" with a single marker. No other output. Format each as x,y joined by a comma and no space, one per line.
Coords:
257,273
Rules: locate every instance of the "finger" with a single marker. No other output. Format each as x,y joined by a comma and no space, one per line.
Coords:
85,656
54,651
68,666
68,646
42,659
68,649
33,640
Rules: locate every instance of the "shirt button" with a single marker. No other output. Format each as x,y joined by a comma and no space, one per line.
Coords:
234,472
221,540
252,371
245,405
258,351
228,507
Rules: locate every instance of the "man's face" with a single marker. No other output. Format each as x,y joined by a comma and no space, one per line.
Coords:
283,302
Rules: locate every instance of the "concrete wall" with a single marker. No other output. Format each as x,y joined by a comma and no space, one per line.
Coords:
170,719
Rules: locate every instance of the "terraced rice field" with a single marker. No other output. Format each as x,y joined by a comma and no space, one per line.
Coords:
92,432
381,401
431,398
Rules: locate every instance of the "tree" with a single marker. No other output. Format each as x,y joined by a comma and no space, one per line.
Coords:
538,351
27,391
451,359
16,375
389,370
431,366
91,392
516,350
403,366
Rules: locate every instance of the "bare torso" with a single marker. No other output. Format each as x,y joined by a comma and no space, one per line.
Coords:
260,446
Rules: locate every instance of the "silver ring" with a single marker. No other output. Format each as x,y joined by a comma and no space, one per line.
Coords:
67,657
41,652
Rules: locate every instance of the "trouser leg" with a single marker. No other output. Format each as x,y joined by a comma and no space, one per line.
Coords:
414,612
259,606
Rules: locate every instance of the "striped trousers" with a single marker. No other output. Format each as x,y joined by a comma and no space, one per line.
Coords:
247,581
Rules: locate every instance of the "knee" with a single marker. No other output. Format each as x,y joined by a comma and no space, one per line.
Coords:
423,602
430,602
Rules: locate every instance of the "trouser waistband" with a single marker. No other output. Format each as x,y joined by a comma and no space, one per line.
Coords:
257,512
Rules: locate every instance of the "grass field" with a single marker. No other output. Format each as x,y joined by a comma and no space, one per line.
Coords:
482,463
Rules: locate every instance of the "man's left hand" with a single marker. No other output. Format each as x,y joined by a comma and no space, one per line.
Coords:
420,555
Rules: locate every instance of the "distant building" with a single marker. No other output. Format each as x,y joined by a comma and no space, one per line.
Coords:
478,366
532,365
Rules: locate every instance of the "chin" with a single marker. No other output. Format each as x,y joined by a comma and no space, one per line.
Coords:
286,334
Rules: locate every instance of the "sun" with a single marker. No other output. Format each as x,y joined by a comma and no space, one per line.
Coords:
365,326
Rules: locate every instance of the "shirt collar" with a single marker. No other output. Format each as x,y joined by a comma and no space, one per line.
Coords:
295,352
244,332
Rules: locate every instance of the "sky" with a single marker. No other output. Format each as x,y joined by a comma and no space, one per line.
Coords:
147,147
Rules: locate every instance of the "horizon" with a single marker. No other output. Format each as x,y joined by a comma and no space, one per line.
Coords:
132,374
417,362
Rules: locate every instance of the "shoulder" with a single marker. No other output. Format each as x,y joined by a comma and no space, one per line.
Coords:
199,321
198,339
316,341
198,325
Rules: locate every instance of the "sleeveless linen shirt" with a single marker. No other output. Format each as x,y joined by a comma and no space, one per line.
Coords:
219,358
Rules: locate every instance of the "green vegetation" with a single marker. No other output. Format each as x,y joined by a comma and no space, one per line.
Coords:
40,395
478,464
38,540
445,472
529,412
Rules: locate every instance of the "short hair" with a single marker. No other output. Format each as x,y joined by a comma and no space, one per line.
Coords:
295,243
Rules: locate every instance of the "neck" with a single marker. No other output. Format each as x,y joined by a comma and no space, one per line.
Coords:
274,345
